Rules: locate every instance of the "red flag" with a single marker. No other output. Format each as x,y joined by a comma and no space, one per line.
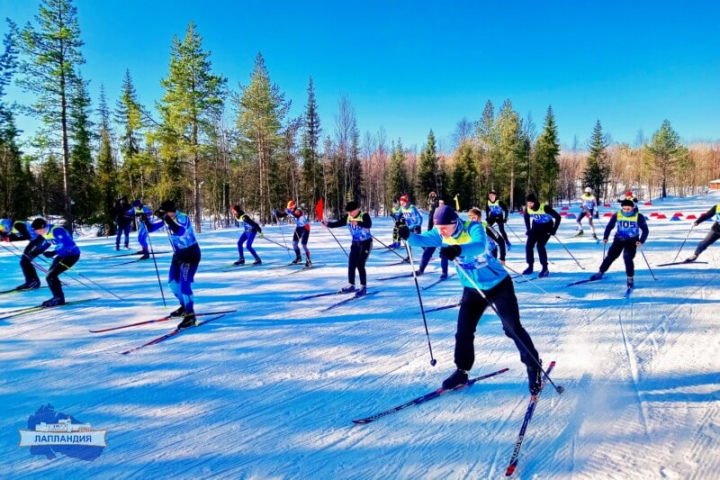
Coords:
319,207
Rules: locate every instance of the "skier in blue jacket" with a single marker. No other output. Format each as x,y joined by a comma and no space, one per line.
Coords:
250,229
14,231
66,254
359,224
467,244
141,213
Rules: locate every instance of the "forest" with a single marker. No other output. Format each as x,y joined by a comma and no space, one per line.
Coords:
209,146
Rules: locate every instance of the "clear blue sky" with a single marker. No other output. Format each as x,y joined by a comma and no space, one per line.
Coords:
412,66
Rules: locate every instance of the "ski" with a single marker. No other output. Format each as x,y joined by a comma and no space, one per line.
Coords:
347,300
580,282
16,290
234,267
446,307
156,320
128,263
528,416
403,262
318,295
628,292
394,277
425,398
108,257
37,308
524,279
305,269
171,334
439,280
684,262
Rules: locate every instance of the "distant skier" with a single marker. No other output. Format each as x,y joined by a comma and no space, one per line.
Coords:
359,224
588,204
545,222
141,213
396,214
250,229
185,260
496,243
14,231
66,255
123,222
497,213
466,242
301,235
712,236
631,234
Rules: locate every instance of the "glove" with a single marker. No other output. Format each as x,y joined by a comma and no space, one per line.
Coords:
4,237
307,227
146,221
527,233
403,232
451,252
49,253
261,235
159,213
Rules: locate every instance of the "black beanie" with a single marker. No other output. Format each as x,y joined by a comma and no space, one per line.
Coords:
351,206
627,203
445,215
38,223
167,206
531,198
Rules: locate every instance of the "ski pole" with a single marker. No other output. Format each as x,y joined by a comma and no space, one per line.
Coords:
433,362
558,388
683,244
391,249
281,232
648,265
276,243
513,232
568,251
534,284
338,242
70,270
157,272
39,267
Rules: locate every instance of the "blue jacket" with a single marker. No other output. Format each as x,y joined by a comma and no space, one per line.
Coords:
182,233
475,259
61,239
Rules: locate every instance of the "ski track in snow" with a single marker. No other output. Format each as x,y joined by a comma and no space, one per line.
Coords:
270,390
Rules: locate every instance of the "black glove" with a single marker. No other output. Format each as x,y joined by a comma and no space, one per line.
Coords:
552,234
450,252
49,253
403,232
159,213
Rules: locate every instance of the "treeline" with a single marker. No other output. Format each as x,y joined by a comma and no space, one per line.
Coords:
209,146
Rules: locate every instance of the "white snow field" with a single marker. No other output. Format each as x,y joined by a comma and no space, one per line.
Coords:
270,391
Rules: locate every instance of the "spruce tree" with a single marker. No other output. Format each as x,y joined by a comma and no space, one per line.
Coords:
128,115
312,170
597,171
464,176
106,170
428,169
397,183
545,166
665,153
82,171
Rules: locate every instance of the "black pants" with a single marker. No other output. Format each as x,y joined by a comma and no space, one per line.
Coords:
494,219
712,237
359,253
628,248
28,256
59,265
539,238
301,236
472,307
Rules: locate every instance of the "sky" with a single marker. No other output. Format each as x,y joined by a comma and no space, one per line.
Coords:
409,67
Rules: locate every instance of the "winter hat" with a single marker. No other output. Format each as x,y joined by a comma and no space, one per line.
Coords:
588,190
445,215
628,194
493,192
531,198
291,205
405,199
433,194
238,211
137,203
351,206
627,203
167,206
38,223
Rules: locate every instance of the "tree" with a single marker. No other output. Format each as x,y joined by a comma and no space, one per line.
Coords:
82,171
53,56
397,183
428,169
193,100
596,170
106,167
666,153
465,177
262,108
546,152
509,152
312,170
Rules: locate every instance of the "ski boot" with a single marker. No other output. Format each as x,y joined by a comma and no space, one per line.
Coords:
459,377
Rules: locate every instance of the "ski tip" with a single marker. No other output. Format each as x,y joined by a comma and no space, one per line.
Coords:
360,422
510,470
560,389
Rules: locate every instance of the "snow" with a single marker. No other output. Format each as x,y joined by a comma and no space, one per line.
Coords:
269,392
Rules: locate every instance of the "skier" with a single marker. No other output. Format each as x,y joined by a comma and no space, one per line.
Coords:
497,212
588,204
632,231
251,228
185,260
123,222
545,222
301,235
17,231
411,215
396,214
629,196
141,214
429,251
466,242
66,255
496,241
359,224
712,236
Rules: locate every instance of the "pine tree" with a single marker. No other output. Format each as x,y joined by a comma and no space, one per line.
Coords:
192,102
397,183
428,170
50,71
106,169
666,153
312,170
464,176
262,108
597,171
508,153
82,170
545,166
